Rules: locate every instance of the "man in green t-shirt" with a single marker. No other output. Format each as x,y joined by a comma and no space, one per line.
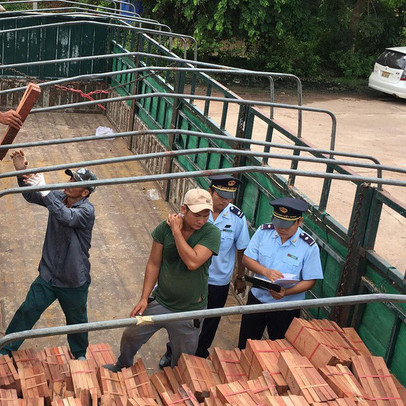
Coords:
178,266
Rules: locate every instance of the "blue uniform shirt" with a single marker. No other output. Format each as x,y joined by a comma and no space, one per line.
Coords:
234,236
298,256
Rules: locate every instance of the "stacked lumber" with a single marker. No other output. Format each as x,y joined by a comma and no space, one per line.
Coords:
26,357
26,104
70,401
355,340
9,378
323,342
376,380
33,382
182,397
292,400
401,389
8,397
304,379
198,374
227,364
263,386
263,355
338,402
111,384
137,382
343,382
101,354
161,382
85,383
236,393
56,364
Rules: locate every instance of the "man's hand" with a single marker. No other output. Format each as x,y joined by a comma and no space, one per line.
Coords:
278,295
37,179
11,118
273,274
19,160
175,222
239,285
139,308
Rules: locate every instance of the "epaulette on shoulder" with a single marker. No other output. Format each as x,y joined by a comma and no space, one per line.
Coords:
306,238
268,226
235,210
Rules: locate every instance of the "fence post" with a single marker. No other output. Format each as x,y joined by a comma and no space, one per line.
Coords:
354,266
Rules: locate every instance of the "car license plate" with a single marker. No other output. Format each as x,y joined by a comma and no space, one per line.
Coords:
385,74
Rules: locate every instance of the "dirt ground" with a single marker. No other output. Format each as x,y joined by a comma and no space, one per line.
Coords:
370,123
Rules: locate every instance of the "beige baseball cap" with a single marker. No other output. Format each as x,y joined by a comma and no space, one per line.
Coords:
197,200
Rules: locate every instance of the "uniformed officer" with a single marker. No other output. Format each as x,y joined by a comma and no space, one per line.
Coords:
278,248
234,239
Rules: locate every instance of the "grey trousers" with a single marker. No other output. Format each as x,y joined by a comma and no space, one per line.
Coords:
183,336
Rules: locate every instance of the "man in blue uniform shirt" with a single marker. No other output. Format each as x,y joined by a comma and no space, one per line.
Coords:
231,221
277,250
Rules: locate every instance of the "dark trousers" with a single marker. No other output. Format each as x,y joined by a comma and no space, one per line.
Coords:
253,325
217,298
41,295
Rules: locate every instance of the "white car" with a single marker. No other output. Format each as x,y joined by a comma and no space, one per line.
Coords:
389,75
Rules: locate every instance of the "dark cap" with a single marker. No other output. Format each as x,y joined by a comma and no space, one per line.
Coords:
286,211
225,185
82,175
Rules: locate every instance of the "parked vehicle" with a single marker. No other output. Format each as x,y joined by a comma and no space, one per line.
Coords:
389,75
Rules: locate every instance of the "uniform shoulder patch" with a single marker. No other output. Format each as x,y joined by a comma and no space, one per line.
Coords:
268,226
306,238
235,210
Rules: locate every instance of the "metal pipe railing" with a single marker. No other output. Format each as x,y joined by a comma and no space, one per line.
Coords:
216,69
191,133
43,13
208,150
225,311
198,97
122,27
197,174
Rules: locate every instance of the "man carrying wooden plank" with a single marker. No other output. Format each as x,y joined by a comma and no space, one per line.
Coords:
231,222
282,253
179,264
11,118
64,269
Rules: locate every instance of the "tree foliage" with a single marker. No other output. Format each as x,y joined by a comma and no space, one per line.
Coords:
307,37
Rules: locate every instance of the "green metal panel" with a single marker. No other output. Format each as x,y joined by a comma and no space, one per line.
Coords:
376,327
398,361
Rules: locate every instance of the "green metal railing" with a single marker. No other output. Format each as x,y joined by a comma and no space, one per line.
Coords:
164,99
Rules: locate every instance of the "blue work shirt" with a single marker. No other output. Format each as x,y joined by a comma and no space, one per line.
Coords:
299,256
65,253
234,236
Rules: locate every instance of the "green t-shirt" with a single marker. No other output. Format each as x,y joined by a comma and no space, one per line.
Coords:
180,289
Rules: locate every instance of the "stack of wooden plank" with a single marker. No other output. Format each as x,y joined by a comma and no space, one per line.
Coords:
376,380
263,355
227,365
85,381
56,364
303,378
102,354
33,382
9,378
198,374
265,373
8,397
182,397
27,102
137,382
343,382
323,342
